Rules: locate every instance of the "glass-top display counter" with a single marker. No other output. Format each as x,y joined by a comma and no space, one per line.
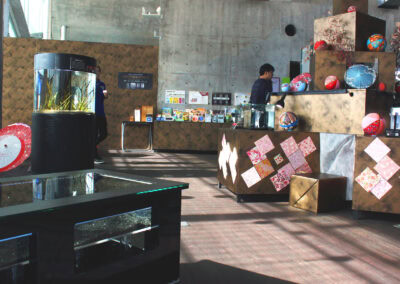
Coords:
27,194
75,224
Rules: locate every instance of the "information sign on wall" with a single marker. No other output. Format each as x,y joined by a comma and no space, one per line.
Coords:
198,98
127,80
222,99
174,96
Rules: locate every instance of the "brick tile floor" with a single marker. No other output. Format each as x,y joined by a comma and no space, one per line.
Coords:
266,242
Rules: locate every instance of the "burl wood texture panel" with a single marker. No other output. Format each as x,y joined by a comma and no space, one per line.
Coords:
341,6
332,113
318,192
329,62
243,140
366,201
113,58
190,136
348,31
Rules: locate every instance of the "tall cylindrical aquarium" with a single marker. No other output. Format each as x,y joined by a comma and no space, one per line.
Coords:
63,118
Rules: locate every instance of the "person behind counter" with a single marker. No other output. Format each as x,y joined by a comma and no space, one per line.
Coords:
262,87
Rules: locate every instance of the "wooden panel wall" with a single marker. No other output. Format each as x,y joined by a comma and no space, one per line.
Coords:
113,58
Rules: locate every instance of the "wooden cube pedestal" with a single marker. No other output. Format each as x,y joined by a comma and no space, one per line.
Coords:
317,192
348,31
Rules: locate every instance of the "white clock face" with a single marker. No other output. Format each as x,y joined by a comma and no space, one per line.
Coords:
10,147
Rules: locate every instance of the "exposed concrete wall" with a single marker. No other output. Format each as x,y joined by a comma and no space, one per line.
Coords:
207,45
111,21
210,45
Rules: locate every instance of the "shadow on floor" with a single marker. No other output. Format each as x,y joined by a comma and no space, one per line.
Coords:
210,272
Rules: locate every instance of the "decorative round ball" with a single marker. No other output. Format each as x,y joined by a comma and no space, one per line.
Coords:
332,82
360,76
373,124
351,9
321,45
381,87
285,87
376,42
288,121
397,87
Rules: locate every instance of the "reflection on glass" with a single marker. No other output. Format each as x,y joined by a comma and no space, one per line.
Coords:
15,251
111,227
62,185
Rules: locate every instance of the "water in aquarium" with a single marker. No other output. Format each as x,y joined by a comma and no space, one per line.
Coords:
64,90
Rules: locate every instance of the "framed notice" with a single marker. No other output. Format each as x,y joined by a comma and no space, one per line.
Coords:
127,80
198,98
241,99
222,99
174,96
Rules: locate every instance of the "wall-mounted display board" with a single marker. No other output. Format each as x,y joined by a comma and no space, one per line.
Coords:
222,99
127,80
174,96
198,98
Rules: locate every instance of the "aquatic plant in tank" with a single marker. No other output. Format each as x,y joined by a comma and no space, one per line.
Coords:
64,90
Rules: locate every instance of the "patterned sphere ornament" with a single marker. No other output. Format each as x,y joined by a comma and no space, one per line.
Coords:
285,87
373,124
332,83
351,9
360,76
321,45
376,42
288,121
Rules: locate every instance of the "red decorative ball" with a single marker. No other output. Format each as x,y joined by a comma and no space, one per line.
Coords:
321,45
373,124
381,87
332,82
352,9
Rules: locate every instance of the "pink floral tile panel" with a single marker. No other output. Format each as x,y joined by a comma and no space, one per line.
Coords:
307,146
377,150
255,156
264,168
297,159
251,177
367,179
287,170
304,169
278,159
264,144
386,167
289,146
279,181
381,188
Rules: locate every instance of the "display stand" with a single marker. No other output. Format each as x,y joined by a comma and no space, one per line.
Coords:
92,226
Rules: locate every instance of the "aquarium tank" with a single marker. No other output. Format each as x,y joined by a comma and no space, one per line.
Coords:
58,87
63,117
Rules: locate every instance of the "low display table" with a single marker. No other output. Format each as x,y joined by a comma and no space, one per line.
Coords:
89,226
136,123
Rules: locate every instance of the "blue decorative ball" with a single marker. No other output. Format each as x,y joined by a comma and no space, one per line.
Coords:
285,87
360,76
